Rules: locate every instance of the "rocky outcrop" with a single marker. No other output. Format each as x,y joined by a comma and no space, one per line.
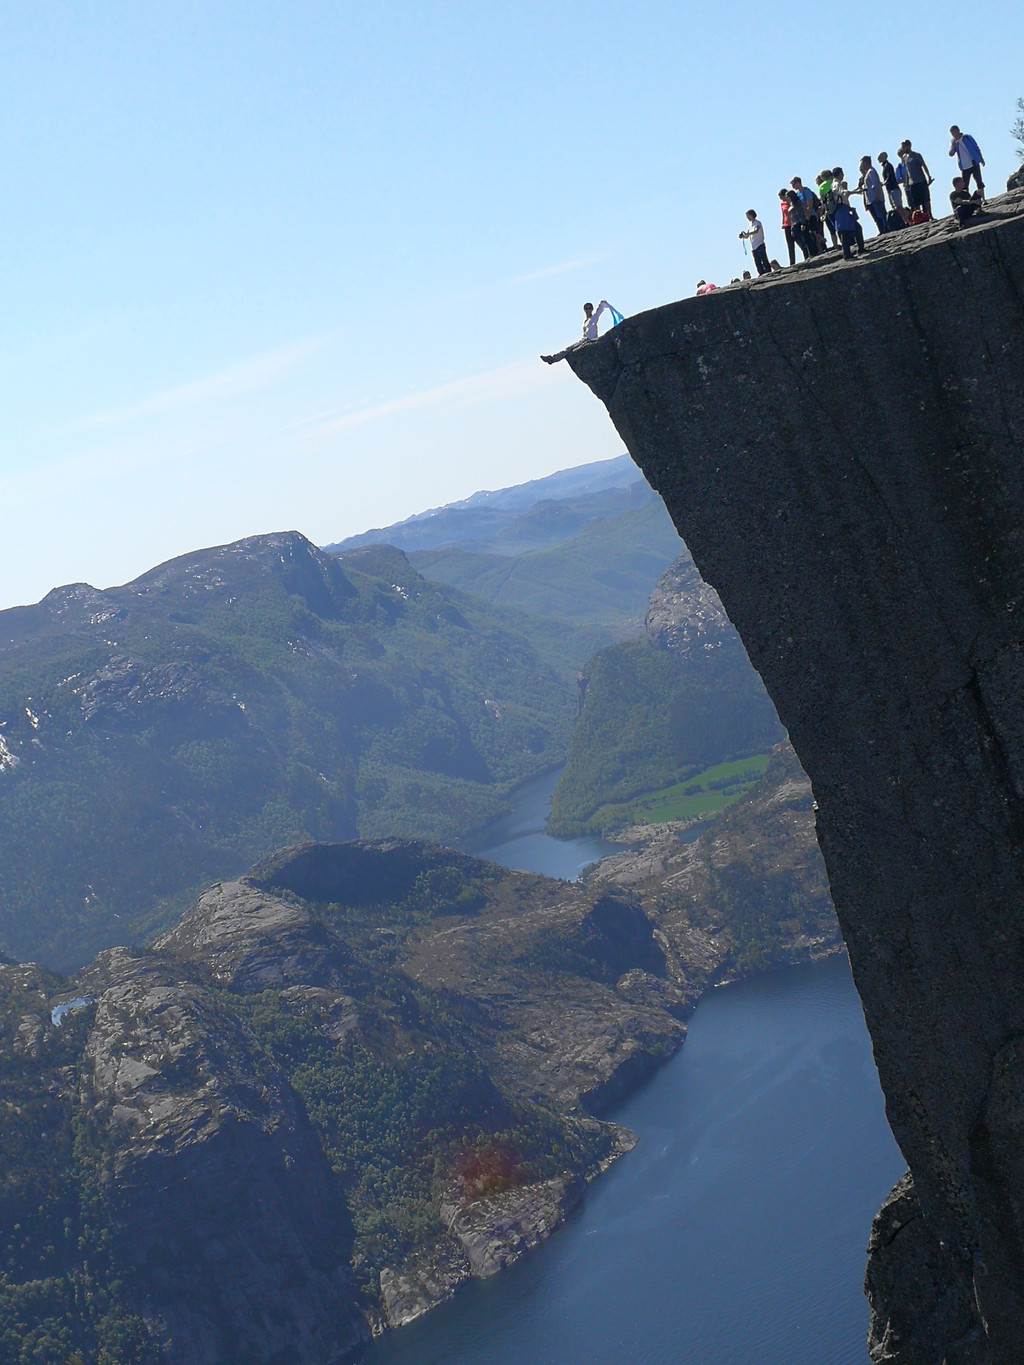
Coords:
921,1309
339,1087
336,1089
684,613
496,1230
841,448
223,1209
748,890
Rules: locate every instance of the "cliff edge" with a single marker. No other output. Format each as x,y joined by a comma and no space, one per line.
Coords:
842,449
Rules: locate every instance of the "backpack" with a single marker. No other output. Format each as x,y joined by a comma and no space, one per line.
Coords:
893,221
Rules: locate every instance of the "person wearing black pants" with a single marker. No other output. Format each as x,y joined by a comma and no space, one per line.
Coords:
968,156
798,225
755,235
965,205
787,227
919,177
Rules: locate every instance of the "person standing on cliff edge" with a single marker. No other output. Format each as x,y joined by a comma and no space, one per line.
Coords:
892,187
919,177
758,250
968,157
870,186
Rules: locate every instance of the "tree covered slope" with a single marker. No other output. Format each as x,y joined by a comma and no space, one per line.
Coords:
660,708
159,734
602,575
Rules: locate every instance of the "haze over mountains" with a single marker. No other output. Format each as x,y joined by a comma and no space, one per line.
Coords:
240,698
359,1072
584,546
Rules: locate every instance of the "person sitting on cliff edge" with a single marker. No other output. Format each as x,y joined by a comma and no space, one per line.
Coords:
590,319
965,205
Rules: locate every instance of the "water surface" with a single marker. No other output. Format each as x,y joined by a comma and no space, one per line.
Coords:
734,1233
518,840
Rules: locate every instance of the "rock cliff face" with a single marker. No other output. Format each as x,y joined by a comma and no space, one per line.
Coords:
841,448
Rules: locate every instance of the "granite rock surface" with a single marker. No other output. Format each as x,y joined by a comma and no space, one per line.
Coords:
840,446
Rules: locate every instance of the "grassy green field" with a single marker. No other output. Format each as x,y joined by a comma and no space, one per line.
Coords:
706,793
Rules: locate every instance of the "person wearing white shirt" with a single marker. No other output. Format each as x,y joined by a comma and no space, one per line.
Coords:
755,235
870,186
590,333
968,157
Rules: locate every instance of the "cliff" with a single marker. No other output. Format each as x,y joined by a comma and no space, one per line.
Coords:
840,447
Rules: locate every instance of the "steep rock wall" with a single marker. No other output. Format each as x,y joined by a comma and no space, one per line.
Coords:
842,449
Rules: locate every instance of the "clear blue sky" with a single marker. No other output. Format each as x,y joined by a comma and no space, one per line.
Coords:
271,265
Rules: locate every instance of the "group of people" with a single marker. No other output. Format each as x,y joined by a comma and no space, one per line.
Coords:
895,196
808,214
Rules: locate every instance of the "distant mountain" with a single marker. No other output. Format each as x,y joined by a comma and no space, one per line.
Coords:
602,575
169,731
582,547
486,514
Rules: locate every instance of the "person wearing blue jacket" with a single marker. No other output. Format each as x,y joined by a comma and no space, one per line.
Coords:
968,157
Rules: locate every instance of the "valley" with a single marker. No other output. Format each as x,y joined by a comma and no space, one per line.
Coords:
430,1043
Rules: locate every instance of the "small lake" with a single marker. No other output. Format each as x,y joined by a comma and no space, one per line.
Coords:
518,840
734,1233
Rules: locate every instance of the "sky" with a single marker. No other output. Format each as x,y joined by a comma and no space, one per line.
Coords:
270,266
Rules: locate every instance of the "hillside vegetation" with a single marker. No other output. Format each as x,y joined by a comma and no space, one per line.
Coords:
602,575
157,735
660,709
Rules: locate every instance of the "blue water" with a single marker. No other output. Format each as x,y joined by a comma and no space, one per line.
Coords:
518,840
734,1233
68,1007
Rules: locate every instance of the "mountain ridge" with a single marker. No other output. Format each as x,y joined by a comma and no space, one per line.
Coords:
487,512
235,697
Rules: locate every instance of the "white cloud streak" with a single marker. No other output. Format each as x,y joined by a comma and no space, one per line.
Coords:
244,377
509,381
562,269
